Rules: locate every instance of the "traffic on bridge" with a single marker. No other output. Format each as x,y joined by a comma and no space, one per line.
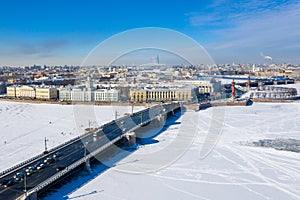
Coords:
33,176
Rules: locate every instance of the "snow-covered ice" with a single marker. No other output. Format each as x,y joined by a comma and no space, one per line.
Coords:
230,171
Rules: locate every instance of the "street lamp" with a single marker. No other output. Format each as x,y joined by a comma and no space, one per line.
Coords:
132,108
46,140
141,117
25,186
90,125
116,115
85,148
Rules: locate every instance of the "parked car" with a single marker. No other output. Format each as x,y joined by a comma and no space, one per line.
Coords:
19,176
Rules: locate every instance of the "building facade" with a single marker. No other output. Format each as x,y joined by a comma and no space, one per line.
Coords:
87,95
25,91
64,94
204,86
11,91
46,93
186,94
31,92
105,95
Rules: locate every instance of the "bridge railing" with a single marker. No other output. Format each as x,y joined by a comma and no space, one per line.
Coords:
71,167
39,156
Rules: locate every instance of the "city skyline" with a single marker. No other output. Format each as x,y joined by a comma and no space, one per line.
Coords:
59,33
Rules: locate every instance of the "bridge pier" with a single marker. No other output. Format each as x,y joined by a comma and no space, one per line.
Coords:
87,164
129,139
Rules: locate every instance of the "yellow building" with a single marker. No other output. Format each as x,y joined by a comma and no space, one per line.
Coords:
162,94
46,93
11,91
31,92
138,95
25,91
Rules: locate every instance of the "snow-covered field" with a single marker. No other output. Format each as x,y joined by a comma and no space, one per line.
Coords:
24,126
230,171
172,166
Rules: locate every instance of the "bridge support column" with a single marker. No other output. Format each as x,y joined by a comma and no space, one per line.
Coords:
130,139
87,164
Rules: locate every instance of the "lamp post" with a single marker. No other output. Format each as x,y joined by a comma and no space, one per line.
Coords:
25,186
90,125
85,148
132,108
46,140
116,115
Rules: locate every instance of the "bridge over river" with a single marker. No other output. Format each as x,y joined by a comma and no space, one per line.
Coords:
74,153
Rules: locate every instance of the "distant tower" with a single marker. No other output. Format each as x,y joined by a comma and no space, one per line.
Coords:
233,89
249,82
155,59
89,83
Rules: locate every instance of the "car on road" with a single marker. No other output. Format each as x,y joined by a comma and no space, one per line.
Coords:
19,176
59,168
49,160
57,154
3,182
29,168
29,171
41,166
35,166
9,183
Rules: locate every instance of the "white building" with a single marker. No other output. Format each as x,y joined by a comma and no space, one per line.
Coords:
88,93
64,94
204,86
107,95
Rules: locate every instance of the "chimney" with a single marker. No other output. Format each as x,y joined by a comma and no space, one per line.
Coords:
249,82
233,89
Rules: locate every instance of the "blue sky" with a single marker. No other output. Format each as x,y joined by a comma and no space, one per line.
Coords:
64,32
